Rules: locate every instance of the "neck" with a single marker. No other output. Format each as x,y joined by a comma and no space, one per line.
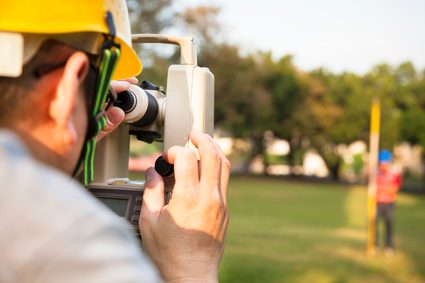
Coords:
40,149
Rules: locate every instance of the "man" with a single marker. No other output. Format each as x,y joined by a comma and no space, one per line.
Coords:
56,60
388,184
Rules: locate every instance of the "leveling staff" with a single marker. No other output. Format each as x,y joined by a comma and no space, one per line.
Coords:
56,61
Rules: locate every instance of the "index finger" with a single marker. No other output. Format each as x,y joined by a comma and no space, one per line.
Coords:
185,167
122,85
210,159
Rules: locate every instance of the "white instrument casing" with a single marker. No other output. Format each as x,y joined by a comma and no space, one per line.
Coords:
189,104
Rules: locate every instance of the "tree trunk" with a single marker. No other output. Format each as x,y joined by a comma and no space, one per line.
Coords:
423,172
334,169
332,161
294,145
266,162
257,148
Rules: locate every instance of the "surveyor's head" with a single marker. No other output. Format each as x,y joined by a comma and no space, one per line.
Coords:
384,159
56,60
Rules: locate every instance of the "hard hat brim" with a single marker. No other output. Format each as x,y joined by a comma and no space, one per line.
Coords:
129,64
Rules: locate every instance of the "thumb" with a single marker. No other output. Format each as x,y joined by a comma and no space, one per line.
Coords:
153,196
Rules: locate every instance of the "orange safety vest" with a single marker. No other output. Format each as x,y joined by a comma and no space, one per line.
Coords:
388,184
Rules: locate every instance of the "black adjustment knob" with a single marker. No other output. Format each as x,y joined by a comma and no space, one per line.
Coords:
164,168
149,86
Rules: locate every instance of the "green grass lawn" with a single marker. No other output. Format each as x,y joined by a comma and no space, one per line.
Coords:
284,231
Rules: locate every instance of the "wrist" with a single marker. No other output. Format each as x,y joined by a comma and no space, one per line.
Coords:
193,273
193,280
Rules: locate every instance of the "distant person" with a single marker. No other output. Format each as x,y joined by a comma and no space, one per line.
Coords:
388,184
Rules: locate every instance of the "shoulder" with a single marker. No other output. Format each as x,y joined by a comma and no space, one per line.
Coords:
33,190
48,220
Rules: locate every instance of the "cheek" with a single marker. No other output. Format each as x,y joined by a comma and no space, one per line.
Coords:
81,118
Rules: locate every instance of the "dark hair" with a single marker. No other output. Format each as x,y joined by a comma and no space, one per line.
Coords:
18,96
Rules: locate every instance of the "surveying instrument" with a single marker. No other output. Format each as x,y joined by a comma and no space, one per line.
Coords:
154,115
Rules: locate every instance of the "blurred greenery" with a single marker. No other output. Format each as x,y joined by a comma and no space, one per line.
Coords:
138,148
283,231
257,93
276,159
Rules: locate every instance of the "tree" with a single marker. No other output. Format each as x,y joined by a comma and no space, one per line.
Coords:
150,16
289,88
243,104
202,22
313,122
413,118
256,94
381,82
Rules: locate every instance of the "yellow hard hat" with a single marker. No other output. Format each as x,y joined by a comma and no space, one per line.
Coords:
45,18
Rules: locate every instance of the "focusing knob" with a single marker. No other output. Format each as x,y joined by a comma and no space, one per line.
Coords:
149,86
164,168
146,136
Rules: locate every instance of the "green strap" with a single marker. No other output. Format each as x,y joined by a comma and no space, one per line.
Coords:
107,68
87,176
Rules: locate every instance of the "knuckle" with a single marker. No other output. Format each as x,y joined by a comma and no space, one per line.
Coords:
216,201
205,137
183,153
187,154
176,149
226,164
172,151
143,220
149,186
213,198
206,141
225,213
226,218
216,156
216,198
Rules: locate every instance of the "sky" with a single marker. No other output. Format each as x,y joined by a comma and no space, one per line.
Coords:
339,35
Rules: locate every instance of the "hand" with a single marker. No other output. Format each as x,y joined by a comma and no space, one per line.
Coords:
115,115
185,238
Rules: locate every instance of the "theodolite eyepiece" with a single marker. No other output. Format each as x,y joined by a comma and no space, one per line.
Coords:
141,107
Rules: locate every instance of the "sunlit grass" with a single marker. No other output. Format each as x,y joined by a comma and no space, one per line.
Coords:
284,231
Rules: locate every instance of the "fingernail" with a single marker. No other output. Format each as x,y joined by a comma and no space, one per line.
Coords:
149,173
134,80
149,177
121,84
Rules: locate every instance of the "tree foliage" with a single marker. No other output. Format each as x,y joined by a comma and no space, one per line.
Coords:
257,93
150,16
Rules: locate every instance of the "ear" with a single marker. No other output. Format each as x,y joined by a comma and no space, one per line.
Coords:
63,101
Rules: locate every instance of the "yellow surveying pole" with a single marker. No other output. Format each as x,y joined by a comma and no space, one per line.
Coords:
373,165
